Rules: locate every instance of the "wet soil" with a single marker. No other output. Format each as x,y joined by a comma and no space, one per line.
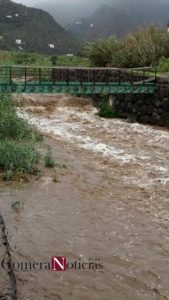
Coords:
106,199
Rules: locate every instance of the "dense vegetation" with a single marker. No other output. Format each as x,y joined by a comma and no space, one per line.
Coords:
24,58
163,65
143,48
18,140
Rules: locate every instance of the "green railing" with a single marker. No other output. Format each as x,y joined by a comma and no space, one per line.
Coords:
30,79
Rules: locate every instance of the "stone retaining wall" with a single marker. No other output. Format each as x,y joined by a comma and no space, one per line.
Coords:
146,109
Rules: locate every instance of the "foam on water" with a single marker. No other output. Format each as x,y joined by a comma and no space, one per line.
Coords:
138,145
67,132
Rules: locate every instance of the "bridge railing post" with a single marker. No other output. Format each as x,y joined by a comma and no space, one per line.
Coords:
81,79
10,74
25,73
53,75
155,73
89,76
94,77
107,77
144,75
67,77
40,76
119,77
131,77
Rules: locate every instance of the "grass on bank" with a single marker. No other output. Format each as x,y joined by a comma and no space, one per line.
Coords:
11,126
35,59
18,151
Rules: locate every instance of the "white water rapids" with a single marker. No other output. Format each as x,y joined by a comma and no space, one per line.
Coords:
143,148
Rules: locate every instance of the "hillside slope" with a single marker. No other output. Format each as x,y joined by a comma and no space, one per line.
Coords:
104,22
120,19
34,30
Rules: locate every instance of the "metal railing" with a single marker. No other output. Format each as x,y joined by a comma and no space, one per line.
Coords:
31,74
75,80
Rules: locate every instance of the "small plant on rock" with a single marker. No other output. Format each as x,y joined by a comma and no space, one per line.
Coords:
106,111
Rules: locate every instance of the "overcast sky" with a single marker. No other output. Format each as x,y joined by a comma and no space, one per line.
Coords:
67,11
64,2
34,2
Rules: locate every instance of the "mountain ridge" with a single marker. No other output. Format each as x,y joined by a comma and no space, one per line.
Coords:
120,19
33,30
104,22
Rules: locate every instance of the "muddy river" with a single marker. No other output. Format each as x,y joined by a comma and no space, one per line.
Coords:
106,202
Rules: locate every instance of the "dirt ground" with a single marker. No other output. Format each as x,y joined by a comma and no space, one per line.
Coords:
106,200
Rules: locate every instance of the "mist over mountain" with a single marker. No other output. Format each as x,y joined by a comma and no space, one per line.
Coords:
104,22
121,19
67,11
90,20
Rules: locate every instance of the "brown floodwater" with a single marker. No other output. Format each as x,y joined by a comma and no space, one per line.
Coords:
107,200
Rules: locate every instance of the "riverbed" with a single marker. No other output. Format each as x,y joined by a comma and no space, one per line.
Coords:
107,201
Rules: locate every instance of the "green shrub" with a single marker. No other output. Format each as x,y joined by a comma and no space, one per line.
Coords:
29,58
54,59
11,126
106,111
17,141
163,65
144,47
15,156
101,53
